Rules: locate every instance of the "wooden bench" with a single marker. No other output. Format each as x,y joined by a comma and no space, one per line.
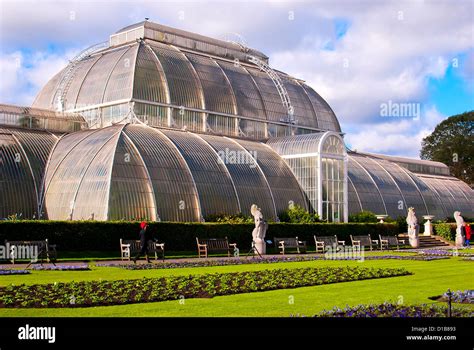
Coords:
31,250
364,241
283,243
129,248
323,241
206,245
390,241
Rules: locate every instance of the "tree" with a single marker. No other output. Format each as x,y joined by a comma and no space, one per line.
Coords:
452,143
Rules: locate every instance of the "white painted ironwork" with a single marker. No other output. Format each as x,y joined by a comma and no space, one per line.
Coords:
285,98
67,77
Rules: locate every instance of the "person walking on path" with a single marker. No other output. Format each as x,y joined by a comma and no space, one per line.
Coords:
467,228
144,238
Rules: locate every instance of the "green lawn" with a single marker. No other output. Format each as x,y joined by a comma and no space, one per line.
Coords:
430,278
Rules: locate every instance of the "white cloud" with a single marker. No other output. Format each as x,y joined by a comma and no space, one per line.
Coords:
24,75
392,48
399,137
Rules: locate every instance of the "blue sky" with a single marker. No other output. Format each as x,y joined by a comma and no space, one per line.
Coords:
357,55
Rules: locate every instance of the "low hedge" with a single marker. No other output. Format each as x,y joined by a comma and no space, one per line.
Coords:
105,236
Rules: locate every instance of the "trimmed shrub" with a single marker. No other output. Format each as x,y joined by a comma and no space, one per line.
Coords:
363,216
445,230
105,235
298,215
230,219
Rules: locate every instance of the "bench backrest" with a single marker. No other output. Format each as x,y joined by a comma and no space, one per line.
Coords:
135,245
364,240
327,240
392,240
214,243
288,241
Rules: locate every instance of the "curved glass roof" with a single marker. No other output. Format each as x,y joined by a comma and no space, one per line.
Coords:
23,157
385,187
165,75
134,171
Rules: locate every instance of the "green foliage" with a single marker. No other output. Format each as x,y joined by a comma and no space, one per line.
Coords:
229,219
452,142
445,230
105,235
363,216
402,224
298,215
97,293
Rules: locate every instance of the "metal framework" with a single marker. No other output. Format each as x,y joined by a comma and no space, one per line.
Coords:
285,98
66,79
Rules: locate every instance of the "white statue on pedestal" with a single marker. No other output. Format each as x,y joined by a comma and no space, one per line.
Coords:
460,229
258,233
413,228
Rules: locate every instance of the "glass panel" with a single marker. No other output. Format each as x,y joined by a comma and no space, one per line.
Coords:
282,182
131,193
121,81
249,182
151,115
213,182
274,108
183,86
326,117
218,93
305,170
92,197
173,186
217,124
150,82
304,112
79,74
410,192
94,85
391,195
249,101
71,159
17,187
369,195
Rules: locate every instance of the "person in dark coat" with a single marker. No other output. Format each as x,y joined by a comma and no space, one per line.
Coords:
144,238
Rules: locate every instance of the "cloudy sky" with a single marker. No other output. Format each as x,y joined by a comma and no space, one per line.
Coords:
363,57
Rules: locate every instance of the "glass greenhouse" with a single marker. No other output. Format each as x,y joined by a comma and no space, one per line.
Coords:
169,125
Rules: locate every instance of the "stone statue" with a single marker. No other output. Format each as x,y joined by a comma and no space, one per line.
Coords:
460,229
258,233
413,228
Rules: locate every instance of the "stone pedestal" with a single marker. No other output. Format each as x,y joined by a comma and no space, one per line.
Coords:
260,245
428,225
381,218
459,238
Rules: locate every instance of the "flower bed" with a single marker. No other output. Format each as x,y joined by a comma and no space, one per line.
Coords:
83,267
265,260
13,272
97,293
443,252
213,262
395,310
463,297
